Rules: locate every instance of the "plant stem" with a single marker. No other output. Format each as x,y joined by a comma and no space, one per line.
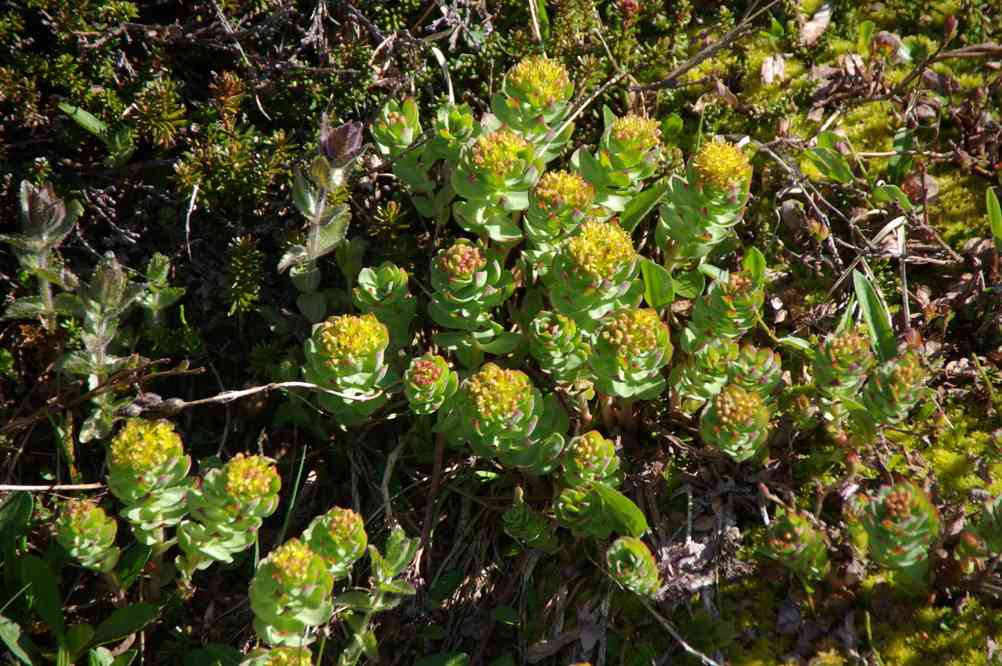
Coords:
626,416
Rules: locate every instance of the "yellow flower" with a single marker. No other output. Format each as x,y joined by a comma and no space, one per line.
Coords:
251,477
633,332
736,406
638,133
351,337
291,562
499,152
540,81
462,260
498,393
143,445
557,189
601,249
722,165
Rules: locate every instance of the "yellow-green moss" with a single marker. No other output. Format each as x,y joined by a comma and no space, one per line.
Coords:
953,454
934,635
959,211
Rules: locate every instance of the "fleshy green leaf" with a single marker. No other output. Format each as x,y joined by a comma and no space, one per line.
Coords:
659,290
994,216
641,205
624,514
47,601
18,643
123,622
877,317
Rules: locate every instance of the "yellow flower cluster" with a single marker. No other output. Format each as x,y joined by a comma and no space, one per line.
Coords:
351,337
251,477
634,331
601,249
343,523
498,152
556,189
722,165
292,561
589,449
541,81
637,132
145,445
498,393
736,406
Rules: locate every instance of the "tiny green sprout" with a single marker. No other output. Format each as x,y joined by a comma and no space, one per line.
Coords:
88,535
632,565
339,537
737,422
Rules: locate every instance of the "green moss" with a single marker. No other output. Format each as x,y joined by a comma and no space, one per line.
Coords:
956,454
958,213
933,635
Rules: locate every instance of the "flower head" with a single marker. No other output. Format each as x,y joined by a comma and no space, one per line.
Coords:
79,516
251,477
343,524
144,445
461,260
499,152
557,189
539,81
639,133
289,656
736,406
591,449
350,336
633,331
498,393
424,372
722,165
291,562
601,249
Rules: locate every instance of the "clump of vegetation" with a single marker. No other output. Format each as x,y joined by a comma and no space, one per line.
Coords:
406,332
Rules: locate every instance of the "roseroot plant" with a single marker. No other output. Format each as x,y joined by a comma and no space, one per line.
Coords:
383,292
894,388
589,458
632,565
290,595
88,535
493,175
901,524
596,510
794,541
529,527
225,510
467,286
843,362
280,656
630,349
594,272
535,100
558,346
701,209
759,370
628,153
502,415
706,371
736,421
339,537
729,309
147,472
346,355
428,383
558,204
